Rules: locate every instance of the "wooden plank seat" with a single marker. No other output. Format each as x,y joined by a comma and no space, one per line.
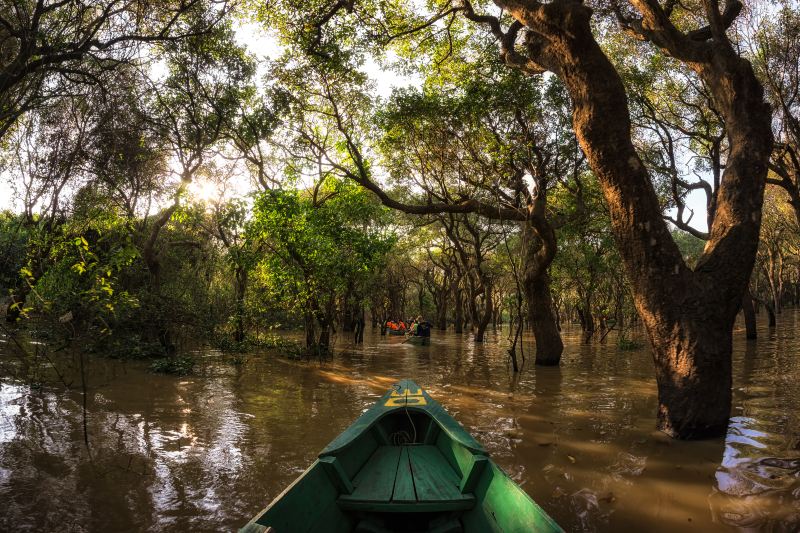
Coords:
406,479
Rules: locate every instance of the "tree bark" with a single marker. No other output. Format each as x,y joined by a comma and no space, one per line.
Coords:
310,331
458,318
486,317
241,290
688,314
549,345
751,332
358,330
441,316
538,254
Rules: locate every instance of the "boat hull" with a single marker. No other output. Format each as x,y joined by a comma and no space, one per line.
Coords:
404,465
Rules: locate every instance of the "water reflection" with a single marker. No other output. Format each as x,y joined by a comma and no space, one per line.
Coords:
205,453
758,480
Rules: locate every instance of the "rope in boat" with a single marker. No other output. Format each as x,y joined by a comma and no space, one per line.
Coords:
401,437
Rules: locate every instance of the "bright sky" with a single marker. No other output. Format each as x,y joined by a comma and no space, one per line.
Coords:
6,193
696,201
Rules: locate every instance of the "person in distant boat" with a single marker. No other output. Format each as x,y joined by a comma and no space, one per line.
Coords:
422,328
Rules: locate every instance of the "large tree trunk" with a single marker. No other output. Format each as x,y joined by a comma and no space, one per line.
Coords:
587,321
441,315
549,345
486,317
318,325
688,314
539,253
439,293
693,371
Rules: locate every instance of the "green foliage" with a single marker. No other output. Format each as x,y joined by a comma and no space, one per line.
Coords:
13,241
86,260
126,344
272,340
691,247
226,344
321,243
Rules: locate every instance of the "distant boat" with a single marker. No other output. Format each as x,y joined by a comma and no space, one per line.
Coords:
419,341
404,465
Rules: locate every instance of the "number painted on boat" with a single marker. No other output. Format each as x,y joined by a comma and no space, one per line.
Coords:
407,398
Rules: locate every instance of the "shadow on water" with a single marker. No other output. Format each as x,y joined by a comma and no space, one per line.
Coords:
205,452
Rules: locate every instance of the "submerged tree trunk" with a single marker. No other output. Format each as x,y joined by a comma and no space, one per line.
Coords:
549,345
310,331
587,321
473,293
458,318
771,320
539,253
241,290
693,372
751,332
441,317
440,301
359,325
486,317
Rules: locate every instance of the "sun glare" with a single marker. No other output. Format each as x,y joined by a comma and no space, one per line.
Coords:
205,191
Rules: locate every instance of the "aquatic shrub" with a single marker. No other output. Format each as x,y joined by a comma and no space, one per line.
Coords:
273,340
124,345
227,344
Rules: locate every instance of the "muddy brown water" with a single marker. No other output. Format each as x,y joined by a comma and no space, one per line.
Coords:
206,452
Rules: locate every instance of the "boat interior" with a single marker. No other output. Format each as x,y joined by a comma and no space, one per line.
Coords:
405,474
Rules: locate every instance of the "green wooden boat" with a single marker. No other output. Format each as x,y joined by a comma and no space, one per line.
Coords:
404,465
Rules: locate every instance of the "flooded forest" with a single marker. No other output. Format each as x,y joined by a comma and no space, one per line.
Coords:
229,228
